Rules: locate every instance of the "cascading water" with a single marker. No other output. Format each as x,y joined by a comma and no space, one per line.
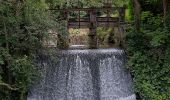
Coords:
98,74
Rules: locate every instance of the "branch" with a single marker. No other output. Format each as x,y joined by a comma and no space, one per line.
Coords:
9,86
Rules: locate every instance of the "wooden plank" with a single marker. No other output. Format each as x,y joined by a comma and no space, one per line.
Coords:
81,20
89,9
106,24
76,25
99,19
104,19
99,24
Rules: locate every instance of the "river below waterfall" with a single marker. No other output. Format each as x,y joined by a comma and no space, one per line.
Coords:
97,74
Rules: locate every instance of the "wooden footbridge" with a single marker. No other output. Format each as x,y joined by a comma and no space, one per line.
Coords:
93,19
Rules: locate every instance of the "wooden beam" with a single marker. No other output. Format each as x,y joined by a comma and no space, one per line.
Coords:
104,19
99,24
89,9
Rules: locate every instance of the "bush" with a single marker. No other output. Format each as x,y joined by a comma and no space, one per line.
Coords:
149,61
23,26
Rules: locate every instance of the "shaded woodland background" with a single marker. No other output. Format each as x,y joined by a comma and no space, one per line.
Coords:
25,25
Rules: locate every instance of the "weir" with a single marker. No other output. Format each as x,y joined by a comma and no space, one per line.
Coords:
97,74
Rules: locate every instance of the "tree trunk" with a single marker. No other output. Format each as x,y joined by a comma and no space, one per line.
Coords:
165,7
165,10
137,14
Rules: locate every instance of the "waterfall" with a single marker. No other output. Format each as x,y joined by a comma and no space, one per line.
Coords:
98,74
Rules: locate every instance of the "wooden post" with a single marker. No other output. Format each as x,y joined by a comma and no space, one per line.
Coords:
122,14
93,30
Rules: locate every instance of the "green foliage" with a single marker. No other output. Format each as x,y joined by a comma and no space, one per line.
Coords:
24,71
149,57
130,16
167,21
23,27
121,2
159,37
145,15
151,76
62,35
103,34
83,3
153,6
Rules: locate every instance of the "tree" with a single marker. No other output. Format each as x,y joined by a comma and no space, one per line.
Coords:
137,14
149,52
23,26
165,10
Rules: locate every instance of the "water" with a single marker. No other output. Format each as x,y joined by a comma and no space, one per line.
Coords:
84,75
